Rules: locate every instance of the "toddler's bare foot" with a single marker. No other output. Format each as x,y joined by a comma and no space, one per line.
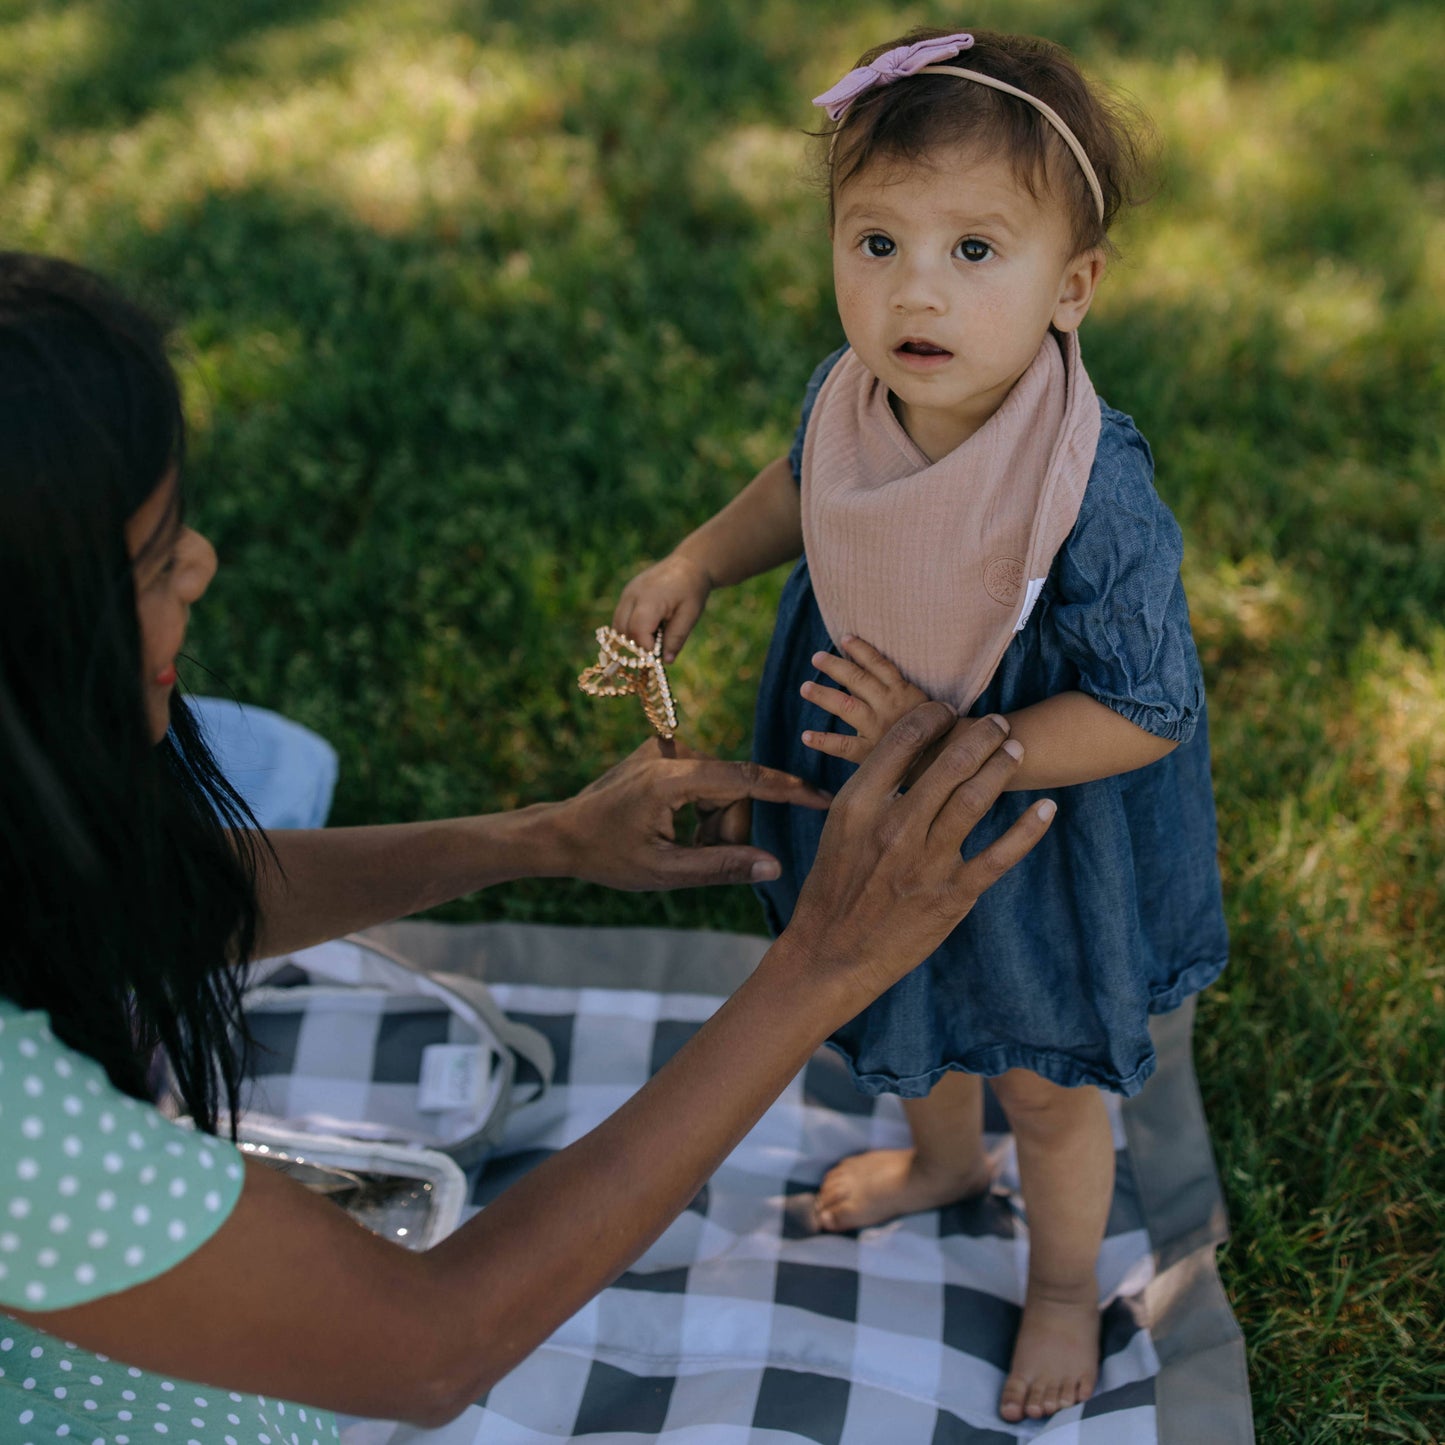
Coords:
1056,1357
884,1183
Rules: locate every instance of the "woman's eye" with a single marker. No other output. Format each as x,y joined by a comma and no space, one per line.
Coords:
878,246
973,250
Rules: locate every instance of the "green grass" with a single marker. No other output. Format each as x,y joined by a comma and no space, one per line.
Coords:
485,302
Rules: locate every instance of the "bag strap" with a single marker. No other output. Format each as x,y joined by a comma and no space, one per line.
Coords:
521,1040
530,1045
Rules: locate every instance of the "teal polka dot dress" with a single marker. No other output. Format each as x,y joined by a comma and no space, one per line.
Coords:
98,1193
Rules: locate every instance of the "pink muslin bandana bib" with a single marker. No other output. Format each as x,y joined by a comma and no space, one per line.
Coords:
938,564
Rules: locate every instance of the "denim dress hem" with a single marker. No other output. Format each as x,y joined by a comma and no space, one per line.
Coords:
1056,1068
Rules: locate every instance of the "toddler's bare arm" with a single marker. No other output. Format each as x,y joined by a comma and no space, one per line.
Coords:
759,529
1070,738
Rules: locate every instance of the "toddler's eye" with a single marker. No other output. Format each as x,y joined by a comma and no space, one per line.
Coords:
878,246
972,249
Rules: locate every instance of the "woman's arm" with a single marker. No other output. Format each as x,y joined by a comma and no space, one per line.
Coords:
617,831
290,1298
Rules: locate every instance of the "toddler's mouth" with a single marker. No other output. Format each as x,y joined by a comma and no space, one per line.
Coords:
921,348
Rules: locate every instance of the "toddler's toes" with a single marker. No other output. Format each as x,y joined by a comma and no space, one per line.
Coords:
872,1188
834,1200
1011,1400
1055,1360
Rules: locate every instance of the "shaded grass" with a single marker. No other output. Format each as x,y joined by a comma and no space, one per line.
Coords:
485,303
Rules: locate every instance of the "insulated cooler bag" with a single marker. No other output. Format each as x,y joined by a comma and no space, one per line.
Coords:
378,1084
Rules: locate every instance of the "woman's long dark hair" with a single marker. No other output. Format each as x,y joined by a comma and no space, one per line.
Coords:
125,897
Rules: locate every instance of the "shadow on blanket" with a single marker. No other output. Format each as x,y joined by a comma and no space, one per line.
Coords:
741,1324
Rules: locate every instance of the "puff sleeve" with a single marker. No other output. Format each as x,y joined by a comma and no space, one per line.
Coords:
1119,611
98,1191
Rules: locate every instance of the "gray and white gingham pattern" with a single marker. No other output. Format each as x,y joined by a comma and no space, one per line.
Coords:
346,1060
741,1324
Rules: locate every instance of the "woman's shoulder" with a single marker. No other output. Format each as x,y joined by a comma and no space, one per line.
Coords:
26,1034
103,1191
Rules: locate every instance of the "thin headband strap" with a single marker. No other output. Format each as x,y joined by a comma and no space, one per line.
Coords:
1048,113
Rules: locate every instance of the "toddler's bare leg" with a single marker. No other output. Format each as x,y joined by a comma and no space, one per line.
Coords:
946,1162
1066,1170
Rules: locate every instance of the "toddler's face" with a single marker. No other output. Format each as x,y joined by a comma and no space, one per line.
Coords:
948,276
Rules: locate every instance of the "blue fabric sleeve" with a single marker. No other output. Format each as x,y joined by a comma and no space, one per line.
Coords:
810,396
1119,611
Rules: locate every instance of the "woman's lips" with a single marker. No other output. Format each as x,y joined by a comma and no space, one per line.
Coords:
166,677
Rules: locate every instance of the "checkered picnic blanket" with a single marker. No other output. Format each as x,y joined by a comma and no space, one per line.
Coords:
742,1324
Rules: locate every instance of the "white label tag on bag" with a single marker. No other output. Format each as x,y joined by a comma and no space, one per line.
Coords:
453,1076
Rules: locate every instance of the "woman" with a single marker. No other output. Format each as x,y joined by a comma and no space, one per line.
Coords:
135,1240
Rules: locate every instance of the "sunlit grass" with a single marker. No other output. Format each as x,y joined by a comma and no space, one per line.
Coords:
485,302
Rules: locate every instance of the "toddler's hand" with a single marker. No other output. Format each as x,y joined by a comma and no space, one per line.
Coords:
877,696
670,595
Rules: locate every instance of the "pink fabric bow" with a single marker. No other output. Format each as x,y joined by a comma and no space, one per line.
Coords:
890,66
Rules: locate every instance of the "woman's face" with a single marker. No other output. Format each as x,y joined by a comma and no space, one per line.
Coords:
173,567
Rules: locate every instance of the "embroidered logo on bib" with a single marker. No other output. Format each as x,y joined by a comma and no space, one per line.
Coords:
1003,579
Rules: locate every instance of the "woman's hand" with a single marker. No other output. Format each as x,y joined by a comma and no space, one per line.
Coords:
877,696
670,595
889,882
621,829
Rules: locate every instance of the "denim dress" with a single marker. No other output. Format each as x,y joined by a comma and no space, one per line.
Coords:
1117,913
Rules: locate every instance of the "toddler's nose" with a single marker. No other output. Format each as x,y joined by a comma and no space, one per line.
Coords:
917,286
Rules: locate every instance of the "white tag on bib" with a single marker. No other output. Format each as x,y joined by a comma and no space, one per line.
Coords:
453,1076
1036,585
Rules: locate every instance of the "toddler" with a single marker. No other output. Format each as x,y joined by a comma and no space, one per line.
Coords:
963,500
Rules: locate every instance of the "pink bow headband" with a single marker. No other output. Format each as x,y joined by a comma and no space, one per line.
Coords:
922,58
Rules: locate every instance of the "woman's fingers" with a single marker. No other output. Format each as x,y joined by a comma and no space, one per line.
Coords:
884,769
729,824
679,866
984,869
888,883
961,785
718,784
960,761
620,830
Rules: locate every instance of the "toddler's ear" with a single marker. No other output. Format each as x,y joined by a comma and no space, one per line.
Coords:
1076,288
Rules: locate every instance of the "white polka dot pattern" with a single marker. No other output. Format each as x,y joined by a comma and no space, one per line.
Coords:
99,1192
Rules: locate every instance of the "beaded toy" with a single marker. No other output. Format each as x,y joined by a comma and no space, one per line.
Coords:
622,667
